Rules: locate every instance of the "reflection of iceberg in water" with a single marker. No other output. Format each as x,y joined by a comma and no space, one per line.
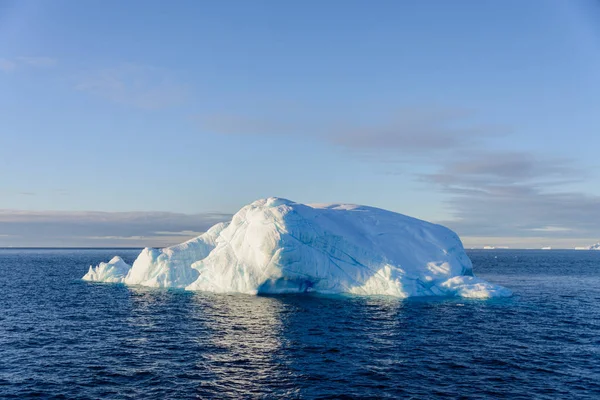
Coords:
353,336
213,346
150,336
182,344
365,347
245,347
220,346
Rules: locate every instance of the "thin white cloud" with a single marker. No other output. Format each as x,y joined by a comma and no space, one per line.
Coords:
421,132
42,62
101,229
13,64
551,229
187,233
514,193
133,85
7,65
119,237
530,242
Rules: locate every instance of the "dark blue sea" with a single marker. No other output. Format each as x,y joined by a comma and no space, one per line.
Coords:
61,337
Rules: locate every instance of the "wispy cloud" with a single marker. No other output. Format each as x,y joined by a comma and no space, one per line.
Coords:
7,65
490,193
416,131
186,233
133,85
517,194
529,242
551,229
518,210
42,62
485,168
91,228
12,64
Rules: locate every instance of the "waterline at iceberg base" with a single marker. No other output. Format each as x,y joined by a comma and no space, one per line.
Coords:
275,245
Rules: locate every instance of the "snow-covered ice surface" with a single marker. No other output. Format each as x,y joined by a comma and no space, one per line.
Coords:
277,246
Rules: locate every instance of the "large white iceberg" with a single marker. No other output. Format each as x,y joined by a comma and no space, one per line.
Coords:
277,246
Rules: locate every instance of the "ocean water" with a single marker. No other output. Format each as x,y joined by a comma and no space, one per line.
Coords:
61,337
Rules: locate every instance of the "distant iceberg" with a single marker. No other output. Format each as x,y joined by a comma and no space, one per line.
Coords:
592,247
278,246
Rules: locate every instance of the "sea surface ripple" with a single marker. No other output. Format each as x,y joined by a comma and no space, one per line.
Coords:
61,337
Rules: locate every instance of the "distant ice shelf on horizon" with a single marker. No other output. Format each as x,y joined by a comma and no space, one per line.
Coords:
275,245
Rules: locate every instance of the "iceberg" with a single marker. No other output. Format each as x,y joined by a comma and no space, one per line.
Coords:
592,247
113,271
276,246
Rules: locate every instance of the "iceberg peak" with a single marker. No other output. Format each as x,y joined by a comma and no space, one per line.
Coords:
275,245
272,202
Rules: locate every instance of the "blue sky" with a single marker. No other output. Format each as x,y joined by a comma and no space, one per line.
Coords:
143,122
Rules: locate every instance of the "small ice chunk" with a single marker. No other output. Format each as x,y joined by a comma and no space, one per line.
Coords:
473,287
